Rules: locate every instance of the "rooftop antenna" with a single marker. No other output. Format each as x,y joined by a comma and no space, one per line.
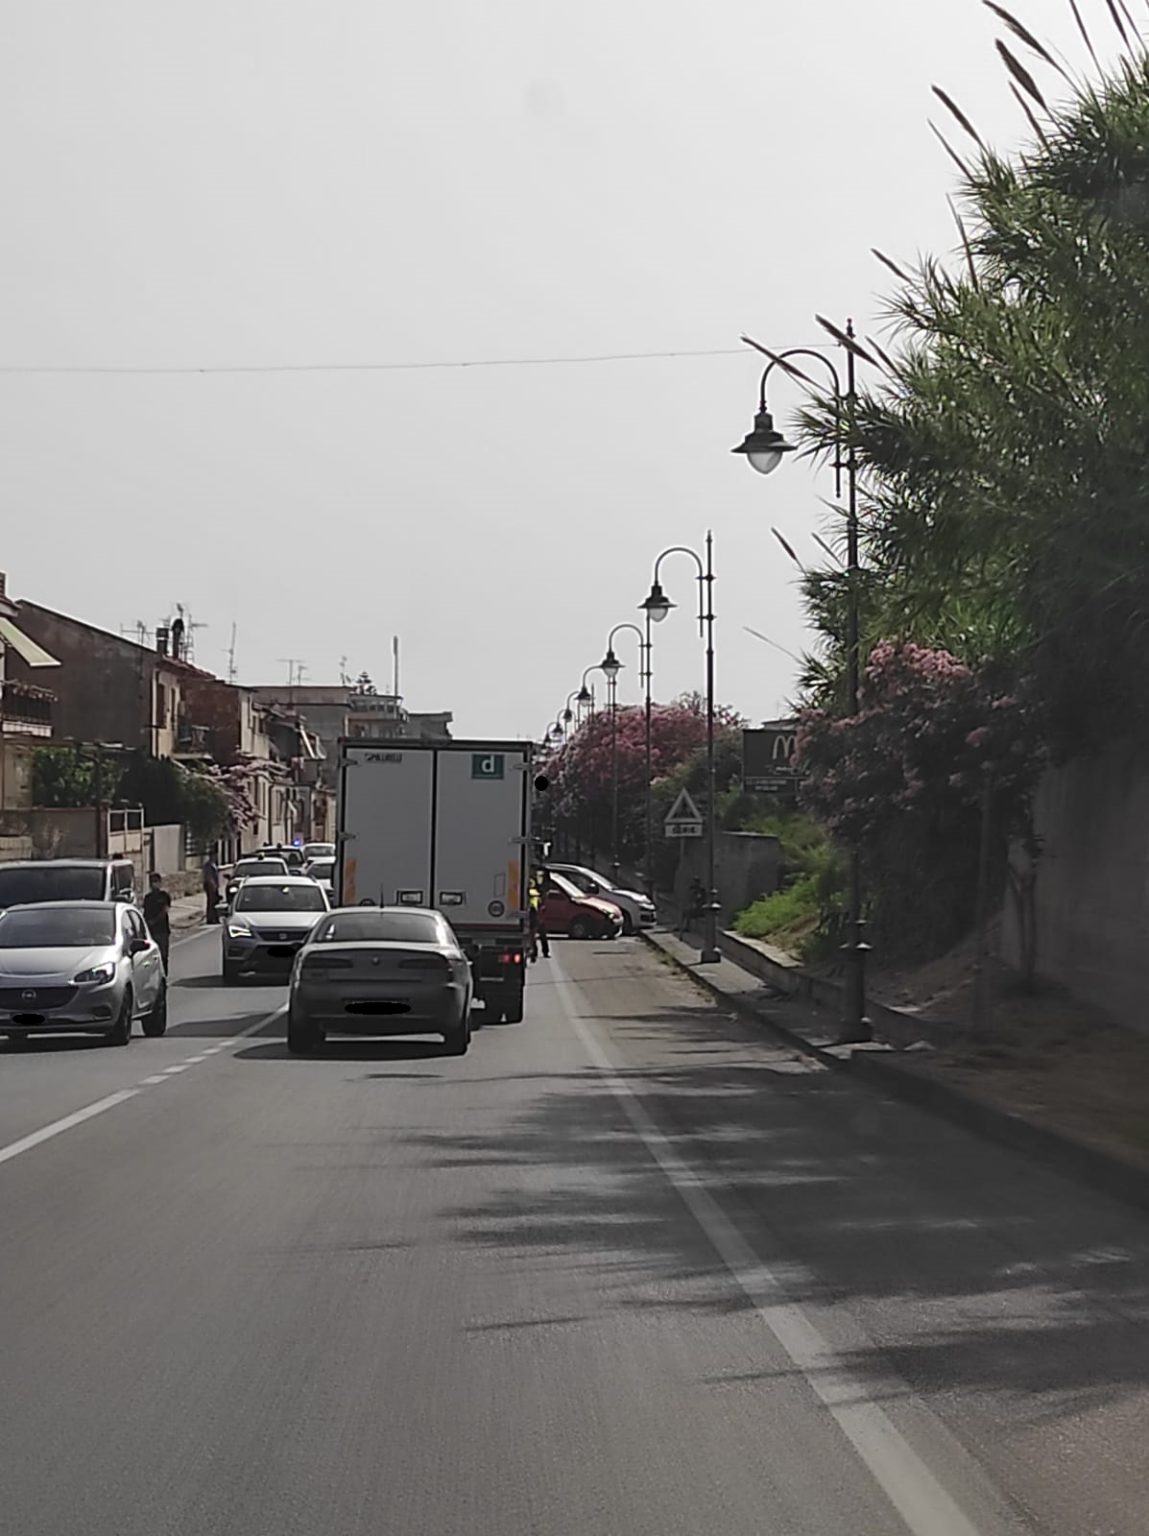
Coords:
295,670
344,675
139,629
395,669
231,672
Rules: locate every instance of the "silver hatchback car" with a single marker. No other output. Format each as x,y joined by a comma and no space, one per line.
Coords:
80,967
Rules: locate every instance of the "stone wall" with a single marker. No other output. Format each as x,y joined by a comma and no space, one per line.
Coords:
747,865
1093,884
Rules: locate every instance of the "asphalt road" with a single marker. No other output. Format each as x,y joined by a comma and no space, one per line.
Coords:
628,1269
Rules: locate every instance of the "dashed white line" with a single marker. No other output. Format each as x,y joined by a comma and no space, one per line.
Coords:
58,1127
101,1106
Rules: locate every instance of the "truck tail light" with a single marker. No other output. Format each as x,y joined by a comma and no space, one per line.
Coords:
512,957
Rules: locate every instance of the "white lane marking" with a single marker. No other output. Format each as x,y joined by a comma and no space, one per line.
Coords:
919,1498
58,1127
190,1061
90,1111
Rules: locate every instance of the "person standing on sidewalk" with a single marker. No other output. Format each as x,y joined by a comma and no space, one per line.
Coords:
211,889
695,908
158,916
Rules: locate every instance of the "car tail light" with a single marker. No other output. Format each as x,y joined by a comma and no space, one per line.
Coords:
512,957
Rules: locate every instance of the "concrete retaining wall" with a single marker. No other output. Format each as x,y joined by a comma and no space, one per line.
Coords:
1092,892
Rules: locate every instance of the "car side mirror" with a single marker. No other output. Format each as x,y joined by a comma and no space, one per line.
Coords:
139,947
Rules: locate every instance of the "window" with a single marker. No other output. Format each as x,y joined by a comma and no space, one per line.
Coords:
368,926
51,882
281,898
123,881
161,706
58,928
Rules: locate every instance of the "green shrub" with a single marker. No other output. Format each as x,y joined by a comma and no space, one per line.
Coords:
781,912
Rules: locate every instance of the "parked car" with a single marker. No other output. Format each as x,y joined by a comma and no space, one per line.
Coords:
318,851
565,910
637,909
271,918
254,864
25,881
322,871
380,971
80,967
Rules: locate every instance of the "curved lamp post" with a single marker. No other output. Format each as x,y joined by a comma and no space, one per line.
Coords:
764,447
611,667
657,606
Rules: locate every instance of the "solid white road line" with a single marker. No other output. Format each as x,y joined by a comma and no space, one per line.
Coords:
919,1498
90,1111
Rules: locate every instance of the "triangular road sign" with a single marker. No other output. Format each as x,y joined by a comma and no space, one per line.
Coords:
684,808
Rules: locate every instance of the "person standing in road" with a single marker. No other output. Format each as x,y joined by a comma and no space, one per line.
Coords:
538,927
211,889
158,916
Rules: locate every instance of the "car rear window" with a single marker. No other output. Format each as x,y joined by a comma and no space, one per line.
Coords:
248,867
383,927
52,883
73,929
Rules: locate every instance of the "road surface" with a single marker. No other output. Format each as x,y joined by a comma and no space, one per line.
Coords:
628,1269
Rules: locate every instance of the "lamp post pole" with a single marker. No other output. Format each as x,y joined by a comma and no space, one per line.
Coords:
648,842
764,447
611,667
657,605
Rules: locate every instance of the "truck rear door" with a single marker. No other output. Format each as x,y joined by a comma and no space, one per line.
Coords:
480,824
386,820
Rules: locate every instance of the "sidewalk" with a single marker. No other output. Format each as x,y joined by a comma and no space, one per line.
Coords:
1021,1103
187,912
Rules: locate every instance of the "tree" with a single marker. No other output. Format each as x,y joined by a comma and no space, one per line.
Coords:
906,780
1005,448
581,771
65,776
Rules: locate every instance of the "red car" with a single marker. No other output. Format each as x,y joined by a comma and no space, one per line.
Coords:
565,910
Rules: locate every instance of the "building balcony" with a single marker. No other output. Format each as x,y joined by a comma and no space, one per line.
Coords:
192,740
25,710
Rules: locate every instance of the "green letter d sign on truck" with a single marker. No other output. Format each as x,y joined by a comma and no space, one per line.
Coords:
487,765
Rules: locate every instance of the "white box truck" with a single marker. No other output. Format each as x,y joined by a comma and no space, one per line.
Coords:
444,824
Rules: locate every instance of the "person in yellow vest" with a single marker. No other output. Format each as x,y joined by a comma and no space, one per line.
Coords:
539,939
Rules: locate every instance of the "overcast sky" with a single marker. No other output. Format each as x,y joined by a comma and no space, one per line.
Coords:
220,183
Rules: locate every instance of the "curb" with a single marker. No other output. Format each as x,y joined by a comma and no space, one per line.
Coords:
1089,1165
746,1010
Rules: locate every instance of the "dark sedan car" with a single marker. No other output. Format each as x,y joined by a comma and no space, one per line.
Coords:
380,971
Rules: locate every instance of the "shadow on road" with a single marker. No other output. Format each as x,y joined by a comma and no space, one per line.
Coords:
977,1268
349,1050
54,1044
226,1029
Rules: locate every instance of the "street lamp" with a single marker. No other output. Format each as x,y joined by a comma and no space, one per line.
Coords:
764,448
656,606
611,667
